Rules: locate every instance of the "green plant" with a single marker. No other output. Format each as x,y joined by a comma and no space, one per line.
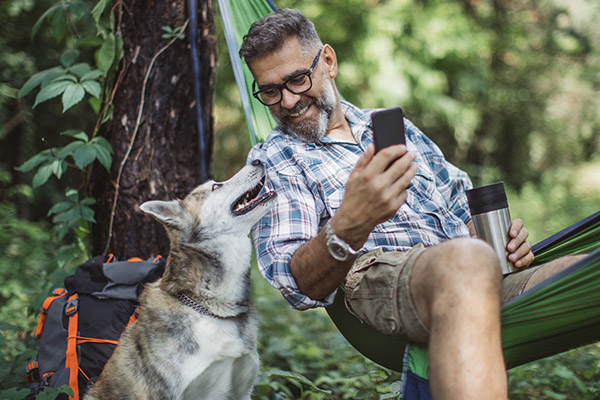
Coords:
74,81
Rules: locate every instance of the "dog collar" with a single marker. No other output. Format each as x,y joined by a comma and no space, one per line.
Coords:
188,301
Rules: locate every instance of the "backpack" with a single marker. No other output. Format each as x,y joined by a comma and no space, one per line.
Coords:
80,324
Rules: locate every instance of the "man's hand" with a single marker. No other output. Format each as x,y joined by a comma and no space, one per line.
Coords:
375,191
518,247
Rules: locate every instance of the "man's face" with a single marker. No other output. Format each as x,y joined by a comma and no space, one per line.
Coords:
305,116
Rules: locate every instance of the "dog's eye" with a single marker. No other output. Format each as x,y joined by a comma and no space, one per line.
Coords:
216,186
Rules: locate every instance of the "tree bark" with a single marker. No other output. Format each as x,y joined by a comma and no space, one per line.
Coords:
158,155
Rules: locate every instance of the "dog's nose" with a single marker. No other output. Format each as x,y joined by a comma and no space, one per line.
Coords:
256,163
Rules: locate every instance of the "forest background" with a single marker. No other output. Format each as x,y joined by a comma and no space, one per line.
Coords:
508,90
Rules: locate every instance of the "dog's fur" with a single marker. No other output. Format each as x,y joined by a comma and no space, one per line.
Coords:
174,351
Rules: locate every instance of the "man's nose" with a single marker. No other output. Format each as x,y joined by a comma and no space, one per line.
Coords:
289,99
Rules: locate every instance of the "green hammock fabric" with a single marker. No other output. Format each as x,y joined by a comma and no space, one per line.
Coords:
557,315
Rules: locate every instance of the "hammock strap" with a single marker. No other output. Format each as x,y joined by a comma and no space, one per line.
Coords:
194,47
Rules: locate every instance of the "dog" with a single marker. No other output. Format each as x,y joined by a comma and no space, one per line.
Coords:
196,334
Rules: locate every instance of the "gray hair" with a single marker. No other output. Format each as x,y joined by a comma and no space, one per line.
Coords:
270,33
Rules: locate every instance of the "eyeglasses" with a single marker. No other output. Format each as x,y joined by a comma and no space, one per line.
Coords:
297,84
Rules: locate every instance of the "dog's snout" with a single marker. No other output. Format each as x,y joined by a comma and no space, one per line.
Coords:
256,163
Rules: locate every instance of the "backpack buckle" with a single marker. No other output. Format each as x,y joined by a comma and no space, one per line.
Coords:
71,306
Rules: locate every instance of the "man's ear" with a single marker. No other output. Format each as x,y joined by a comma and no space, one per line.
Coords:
166,212
330,61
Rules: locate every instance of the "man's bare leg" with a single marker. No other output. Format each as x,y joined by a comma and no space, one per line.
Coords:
551,268
456,289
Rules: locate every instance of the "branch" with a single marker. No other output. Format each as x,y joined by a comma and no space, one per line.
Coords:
133,137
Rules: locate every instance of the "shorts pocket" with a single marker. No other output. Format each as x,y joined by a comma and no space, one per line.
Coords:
373,296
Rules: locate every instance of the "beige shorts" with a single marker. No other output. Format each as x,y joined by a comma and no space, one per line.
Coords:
377,292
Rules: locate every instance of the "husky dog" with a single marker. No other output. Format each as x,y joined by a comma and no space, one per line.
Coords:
196,334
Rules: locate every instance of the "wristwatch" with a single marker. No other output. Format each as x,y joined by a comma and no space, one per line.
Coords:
338,248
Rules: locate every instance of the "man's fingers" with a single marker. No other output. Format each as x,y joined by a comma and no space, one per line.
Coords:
518,240
515,227
523,256
386,156
365,158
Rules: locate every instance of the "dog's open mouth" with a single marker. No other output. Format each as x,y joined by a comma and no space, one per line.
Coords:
249,200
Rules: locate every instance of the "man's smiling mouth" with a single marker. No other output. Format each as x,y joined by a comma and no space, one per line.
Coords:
300,112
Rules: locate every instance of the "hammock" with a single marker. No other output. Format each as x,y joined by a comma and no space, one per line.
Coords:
557,315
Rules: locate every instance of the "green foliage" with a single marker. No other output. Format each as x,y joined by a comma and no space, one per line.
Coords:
28,271
303,356
73,81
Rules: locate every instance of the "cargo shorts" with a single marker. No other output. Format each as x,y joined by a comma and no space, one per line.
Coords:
378,292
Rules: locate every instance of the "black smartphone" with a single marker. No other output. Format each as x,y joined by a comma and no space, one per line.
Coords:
388,127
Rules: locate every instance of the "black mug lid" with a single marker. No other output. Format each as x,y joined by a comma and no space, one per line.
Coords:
487,198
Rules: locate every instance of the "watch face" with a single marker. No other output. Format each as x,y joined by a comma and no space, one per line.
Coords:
338,251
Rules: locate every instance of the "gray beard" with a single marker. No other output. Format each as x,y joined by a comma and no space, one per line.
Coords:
307,130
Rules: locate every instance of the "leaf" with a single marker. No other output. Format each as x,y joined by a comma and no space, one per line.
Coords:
59,167
108,110
93,74
72,194
90,42
84,156
34,161
80,69
14,394
67,254
106,55
292,376
60,207
5,326
66,77
88,201
59,22
86,213
41,19
77,134
92,87
52,90
99,140
41,78
42,175
99,9
70,149
68,57
119,50
95,104
103,156
72,95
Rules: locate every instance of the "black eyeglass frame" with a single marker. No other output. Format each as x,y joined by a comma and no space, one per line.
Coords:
308,73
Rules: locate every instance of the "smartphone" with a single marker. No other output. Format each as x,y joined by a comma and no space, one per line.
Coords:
388,127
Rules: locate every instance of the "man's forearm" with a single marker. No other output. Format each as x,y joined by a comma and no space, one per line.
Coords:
315,271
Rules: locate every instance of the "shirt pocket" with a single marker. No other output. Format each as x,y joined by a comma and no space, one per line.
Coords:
423,195
334,201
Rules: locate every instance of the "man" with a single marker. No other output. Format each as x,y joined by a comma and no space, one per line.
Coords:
398,219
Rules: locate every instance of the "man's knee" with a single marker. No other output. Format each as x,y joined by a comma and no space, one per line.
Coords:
453,277
464,260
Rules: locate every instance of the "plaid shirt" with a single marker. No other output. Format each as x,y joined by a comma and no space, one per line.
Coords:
310,178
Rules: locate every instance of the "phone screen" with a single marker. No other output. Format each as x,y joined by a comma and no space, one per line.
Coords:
388,127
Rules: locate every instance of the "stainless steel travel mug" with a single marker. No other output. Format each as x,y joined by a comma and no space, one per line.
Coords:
489,210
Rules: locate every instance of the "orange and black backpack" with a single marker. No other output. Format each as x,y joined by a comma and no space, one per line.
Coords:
80,324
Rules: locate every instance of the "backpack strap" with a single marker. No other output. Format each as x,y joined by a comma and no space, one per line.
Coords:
134,316
56,293
72,364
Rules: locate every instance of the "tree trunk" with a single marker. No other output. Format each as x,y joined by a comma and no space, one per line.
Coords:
157,157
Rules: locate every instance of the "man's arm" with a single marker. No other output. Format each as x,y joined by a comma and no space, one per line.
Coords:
373,194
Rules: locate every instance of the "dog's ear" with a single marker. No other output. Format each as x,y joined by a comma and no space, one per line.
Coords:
167,212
